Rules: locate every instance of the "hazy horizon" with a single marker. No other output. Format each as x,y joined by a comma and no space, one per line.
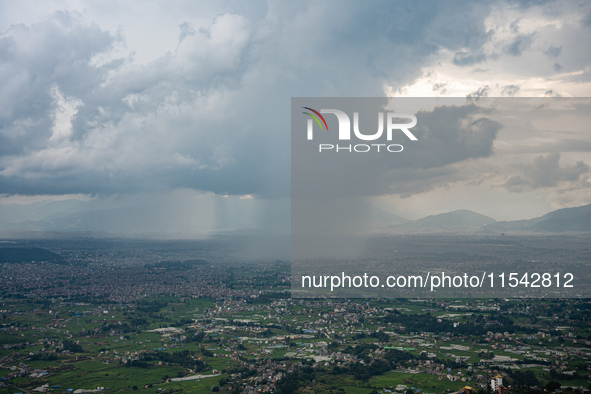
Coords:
174,119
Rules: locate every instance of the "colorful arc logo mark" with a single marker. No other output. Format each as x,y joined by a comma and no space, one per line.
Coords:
315,117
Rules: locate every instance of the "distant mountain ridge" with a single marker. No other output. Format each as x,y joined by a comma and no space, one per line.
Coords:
461,220
576,219
132,221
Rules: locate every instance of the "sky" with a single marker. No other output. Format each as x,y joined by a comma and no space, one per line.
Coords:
175,117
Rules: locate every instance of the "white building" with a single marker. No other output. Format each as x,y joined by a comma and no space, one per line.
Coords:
496,382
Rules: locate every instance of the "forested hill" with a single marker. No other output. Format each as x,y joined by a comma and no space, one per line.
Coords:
27,255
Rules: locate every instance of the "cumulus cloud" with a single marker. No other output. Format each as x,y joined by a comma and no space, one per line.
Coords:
211,112
39,61
546,172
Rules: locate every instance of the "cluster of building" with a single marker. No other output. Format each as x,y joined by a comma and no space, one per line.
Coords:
255,328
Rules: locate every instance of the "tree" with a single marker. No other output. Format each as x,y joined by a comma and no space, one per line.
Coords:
552,386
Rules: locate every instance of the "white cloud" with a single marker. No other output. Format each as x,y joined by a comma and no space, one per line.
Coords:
65,109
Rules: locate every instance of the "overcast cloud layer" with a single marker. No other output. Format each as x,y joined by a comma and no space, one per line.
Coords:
102,98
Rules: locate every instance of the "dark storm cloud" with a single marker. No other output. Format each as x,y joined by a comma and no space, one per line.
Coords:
453,134
212,113
446,136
